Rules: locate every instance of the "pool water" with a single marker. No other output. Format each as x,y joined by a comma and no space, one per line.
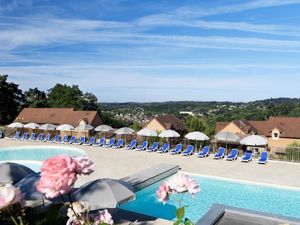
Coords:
33,156
284,202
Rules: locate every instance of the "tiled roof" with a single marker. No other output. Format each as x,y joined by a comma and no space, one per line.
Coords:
170,121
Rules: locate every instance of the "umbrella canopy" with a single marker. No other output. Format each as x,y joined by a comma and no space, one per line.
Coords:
28,187
147,132
254,140
65,127
227,137
124,130
84,127
13,172
31,125
104,193
169,134
103,128
16,125
197,136
47,126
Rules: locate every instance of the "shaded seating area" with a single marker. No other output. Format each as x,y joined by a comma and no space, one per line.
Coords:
220,154
188,151
165,148
176,150
204,152
263,158
247,157
232,155
132,145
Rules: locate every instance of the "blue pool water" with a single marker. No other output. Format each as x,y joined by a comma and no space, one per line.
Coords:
268,199
33,156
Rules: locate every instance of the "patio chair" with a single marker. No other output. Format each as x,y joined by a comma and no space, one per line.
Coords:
204,152
176,150
232,155
17,136
220,154
40,137
247,157
90,142
32,137
99,143
110,143
165,148
72,140
263,158
47,138
24,137
143,146
80,141
188,151
119,144
132,145
154,147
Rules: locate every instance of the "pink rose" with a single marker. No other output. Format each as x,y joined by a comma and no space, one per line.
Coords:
60,164
182,183
84,165
10,195
163,192
103,217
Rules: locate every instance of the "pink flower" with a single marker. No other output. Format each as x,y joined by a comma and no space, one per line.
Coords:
58,175
182,183
163,192
10,195
84,165
103,217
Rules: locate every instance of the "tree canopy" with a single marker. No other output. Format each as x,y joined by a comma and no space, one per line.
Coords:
36,98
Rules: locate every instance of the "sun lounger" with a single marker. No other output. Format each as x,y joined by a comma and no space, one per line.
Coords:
132,145
119,144
72,140
188,151
220,154
1,134
110,143
232,155
32,137
17,136
47,138
263,158
65,140
143,146
204,152
80,141
247,157
176,150
40,137
24,137
55,139
90,142
99,143
165,148
153,147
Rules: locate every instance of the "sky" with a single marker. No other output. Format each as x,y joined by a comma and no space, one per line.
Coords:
162,50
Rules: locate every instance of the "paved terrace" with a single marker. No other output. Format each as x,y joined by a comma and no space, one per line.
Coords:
118,163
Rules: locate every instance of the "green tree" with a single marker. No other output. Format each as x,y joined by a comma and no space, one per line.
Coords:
11,100
64,96
90,102
36,98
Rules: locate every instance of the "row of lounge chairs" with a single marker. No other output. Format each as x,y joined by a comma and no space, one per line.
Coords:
144,146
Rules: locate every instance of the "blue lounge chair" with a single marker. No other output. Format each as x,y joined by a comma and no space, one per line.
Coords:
119,144
233,154
90,142
220,154
25,137
17,136
143,146
110,143
99,143
247,157
1,134
132,145
72,140
40,137
65,140
263,158
188,151
204,153
47,138
32,137
153,148
176,150
165,148
55,139
80,141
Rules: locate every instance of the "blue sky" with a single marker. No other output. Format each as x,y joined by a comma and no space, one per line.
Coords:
149,50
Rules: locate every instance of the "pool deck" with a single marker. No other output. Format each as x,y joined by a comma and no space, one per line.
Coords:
118,163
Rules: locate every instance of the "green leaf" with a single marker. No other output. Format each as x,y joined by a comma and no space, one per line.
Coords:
180,213
177,222
52,213
188,222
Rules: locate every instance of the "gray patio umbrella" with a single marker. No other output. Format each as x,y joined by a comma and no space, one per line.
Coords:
227,137
103,128
16,125
28,186
84,127
254,140
169,134
13,172
31,125
65,127
196,136
124,131
147,132
104,193
47,126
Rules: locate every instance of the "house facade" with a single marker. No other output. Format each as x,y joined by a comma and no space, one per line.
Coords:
279,131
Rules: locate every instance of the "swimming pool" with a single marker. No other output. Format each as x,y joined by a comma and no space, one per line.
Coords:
33,156
284,202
